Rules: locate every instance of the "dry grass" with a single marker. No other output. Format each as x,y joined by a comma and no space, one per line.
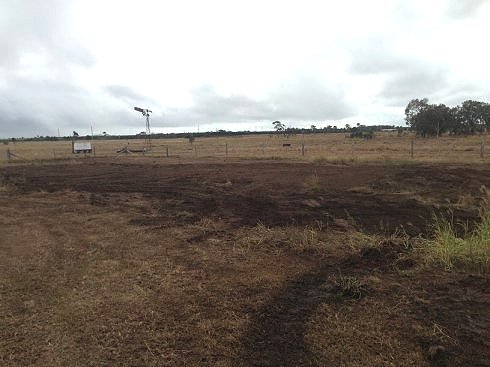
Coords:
348,287
313,183
278,239
320,148
112,278
321,239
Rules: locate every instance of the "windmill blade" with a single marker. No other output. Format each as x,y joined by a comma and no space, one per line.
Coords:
139,109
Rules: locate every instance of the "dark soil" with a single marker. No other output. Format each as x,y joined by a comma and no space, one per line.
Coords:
274,193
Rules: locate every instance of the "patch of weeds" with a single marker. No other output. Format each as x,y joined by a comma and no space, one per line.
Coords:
483,201
465,200
471,251
350,287
386,184
278,239
204,228
4,187
312,182
357,240
11,183
259,236
480,201
307,239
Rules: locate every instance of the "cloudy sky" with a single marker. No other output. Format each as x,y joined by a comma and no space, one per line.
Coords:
233,64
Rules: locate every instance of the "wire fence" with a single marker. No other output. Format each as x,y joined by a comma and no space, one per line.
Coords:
316,147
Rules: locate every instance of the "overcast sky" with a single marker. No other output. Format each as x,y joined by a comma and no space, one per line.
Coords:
236,65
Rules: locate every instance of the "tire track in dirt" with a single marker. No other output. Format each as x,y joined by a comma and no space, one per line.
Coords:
276,335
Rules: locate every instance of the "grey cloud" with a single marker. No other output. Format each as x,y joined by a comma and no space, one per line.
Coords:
377,55
431,81
463,91
40,104
40,27
374,55
39,107
307,97
405,77
208,106
300,99
415,81
129,95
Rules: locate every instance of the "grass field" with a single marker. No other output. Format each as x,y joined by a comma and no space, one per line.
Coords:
267,259
385,147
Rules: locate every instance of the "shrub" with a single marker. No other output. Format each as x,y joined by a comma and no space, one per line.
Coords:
362,134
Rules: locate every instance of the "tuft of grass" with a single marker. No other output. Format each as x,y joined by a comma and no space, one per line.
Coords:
349,287
468,252
312,183
279,239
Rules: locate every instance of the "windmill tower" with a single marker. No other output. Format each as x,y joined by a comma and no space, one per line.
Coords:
146,113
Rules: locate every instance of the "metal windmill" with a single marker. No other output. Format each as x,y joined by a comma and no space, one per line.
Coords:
146,112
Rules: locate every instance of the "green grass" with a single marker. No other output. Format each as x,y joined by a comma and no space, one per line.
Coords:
469,252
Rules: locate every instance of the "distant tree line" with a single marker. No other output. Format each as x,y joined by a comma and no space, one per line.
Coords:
358,131
435,119
361,131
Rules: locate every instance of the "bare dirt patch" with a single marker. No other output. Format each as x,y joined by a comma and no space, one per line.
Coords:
271,193
252,263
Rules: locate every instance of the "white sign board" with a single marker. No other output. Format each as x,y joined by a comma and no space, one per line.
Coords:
82,147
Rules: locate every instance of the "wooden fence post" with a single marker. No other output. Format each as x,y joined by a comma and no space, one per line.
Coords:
411,148
303,149
167,150
482,148
226,151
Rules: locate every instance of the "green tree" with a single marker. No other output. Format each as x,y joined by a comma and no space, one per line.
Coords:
414,107
429,119
471,117
279,126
